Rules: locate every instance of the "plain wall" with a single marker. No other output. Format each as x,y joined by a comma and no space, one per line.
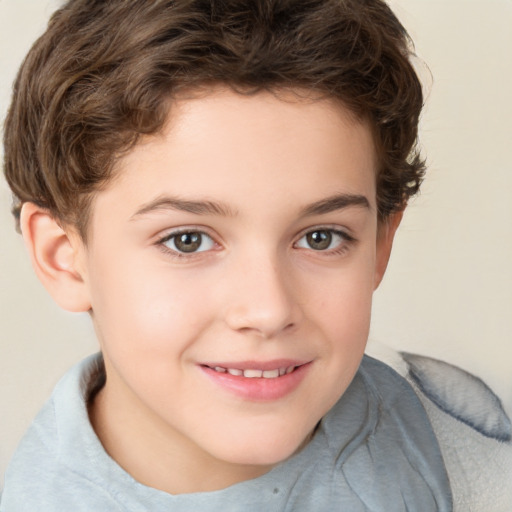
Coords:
448,291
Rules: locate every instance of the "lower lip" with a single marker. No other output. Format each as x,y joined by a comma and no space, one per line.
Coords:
259,389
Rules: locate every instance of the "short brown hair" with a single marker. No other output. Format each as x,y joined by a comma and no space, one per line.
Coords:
103,72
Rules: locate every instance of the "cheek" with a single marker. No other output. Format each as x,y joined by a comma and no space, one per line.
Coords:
343,300
140,308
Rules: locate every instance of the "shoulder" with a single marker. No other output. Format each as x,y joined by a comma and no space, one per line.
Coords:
383,449
472,428
39,476
33,461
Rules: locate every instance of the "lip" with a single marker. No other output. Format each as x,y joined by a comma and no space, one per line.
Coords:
259,389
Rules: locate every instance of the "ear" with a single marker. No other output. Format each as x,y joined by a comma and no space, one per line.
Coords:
55,255
385,237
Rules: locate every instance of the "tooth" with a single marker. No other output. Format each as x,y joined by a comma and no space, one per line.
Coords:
270,374
234,371
290,369
252,374
282,371
220,369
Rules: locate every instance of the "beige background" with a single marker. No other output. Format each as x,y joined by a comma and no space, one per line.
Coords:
448,292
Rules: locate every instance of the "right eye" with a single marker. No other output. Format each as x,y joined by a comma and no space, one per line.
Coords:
186,242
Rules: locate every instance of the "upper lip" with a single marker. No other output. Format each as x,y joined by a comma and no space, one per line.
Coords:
257,365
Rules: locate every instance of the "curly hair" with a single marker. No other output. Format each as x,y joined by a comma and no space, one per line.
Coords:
102,74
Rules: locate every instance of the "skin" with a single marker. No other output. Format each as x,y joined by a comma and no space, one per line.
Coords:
255,290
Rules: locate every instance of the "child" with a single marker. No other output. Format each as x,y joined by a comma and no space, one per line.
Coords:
219,183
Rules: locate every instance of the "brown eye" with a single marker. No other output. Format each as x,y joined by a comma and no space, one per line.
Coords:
319,240
325,239
189,242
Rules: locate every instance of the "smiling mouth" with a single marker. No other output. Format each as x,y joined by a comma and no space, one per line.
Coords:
258,382
255,373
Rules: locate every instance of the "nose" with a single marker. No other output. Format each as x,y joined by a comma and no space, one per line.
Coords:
262,298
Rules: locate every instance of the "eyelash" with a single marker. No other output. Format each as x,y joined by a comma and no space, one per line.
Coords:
161,243
345,243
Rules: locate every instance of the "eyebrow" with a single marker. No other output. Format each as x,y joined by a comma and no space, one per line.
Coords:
336,202
206,207
175,203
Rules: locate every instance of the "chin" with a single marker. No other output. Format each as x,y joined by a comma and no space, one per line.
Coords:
265,451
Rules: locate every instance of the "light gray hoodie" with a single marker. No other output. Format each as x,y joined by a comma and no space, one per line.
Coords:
374,451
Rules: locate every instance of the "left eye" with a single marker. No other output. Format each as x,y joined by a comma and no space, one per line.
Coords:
322,240
189,242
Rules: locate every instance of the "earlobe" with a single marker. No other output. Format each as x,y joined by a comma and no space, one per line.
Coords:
385,239
54,254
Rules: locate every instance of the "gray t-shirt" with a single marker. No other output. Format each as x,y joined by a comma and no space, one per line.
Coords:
374,451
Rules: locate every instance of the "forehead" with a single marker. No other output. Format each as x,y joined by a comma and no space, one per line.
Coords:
247,149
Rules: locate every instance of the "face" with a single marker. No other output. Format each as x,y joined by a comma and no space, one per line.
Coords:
230,271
